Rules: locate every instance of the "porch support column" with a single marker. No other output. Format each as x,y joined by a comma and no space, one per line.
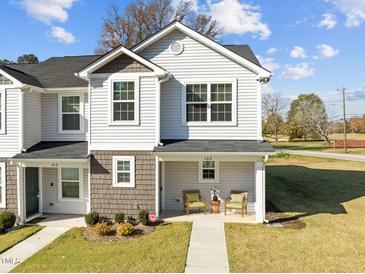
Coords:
20,194
157,187
260,191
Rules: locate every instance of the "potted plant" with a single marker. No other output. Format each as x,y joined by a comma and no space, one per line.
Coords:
214,193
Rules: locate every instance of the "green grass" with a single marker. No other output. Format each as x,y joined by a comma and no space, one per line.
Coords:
329,196
164,250
315,146
13,237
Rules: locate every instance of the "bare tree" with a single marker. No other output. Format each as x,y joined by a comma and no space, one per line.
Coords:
142,18
273,109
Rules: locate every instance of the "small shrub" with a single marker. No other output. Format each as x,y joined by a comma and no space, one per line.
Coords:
92,218
7,220
101,228
280,155
119,217
105,220
143,217
125,229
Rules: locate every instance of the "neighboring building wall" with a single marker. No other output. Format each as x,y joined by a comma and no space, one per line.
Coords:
50,194
11,187
10,142
50,120
32,119
108,200
106,136
181,176
200,62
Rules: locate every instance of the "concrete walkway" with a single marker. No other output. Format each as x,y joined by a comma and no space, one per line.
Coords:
207,250
338,156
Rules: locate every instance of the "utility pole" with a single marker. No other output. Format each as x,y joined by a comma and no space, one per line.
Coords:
344,119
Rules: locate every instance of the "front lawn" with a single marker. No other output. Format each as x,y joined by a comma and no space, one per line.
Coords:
329,196
164,250
7,240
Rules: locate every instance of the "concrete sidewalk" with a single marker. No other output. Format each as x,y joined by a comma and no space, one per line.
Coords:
338,156
207,250
20,252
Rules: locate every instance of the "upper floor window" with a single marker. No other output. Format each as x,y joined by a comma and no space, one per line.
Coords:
2,186
71,110
124,109
211,103
2,111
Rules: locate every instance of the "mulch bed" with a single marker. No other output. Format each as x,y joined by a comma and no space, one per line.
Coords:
139,231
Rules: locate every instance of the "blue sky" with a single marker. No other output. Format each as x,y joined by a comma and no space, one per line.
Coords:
311,46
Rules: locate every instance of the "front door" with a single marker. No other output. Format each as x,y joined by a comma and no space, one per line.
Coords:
32,191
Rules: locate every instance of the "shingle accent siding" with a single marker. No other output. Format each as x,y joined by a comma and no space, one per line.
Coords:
123,63
11,187
108,200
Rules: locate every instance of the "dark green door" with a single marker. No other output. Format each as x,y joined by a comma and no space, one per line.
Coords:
31,191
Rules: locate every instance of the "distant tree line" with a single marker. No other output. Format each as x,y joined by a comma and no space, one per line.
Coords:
23,59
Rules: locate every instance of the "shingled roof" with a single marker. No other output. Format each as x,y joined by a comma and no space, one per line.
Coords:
59,72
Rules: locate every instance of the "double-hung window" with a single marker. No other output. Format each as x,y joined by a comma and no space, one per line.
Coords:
124,105
123,171
2,186
71,110
210,103
208,171
70,183
2,112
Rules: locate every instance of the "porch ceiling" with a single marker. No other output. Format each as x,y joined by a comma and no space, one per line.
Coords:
55,150
253,147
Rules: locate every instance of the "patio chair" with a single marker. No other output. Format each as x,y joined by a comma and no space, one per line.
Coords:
193,200
237,200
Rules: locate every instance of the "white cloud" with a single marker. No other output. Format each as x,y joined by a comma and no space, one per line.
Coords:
268,63
327,51
47,11
353,9
271,51
298,52
328,21
238,18
296,72
62,35
315,57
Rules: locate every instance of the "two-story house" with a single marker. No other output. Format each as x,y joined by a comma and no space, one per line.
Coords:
134,128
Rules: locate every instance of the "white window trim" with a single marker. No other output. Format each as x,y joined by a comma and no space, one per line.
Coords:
81,192
132,182
209,122
3,112
136,101
3,187
201,180
60,130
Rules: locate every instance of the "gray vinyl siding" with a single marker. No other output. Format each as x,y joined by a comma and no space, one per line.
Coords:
199,62
181,176
10,142
50,120
102,133
50,194
32,119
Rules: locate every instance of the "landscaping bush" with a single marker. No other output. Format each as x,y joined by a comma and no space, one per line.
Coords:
125,229
101,228
143,217
92,218
119,217
7,220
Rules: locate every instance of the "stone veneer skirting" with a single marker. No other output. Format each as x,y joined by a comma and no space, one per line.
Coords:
108,200
11,187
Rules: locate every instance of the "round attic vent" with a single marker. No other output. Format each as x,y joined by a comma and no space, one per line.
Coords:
176,47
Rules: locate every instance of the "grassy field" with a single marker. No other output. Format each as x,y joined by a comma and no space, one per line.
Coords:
353,136
164,250
11,238
329,196
315,146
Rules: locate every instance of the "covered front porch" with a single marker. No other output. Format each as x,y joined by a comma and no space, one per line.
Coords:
201,165
52,179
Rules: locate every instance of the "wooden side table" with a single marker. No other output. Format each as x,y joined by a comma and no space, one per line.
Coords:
214,206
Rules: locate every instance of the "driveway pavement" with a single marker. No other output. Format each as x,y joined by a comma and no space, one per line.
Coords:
338,156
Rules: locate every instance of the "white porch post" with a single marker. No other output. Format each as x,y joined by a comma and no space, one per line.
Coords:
157,187
260,191
20,194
